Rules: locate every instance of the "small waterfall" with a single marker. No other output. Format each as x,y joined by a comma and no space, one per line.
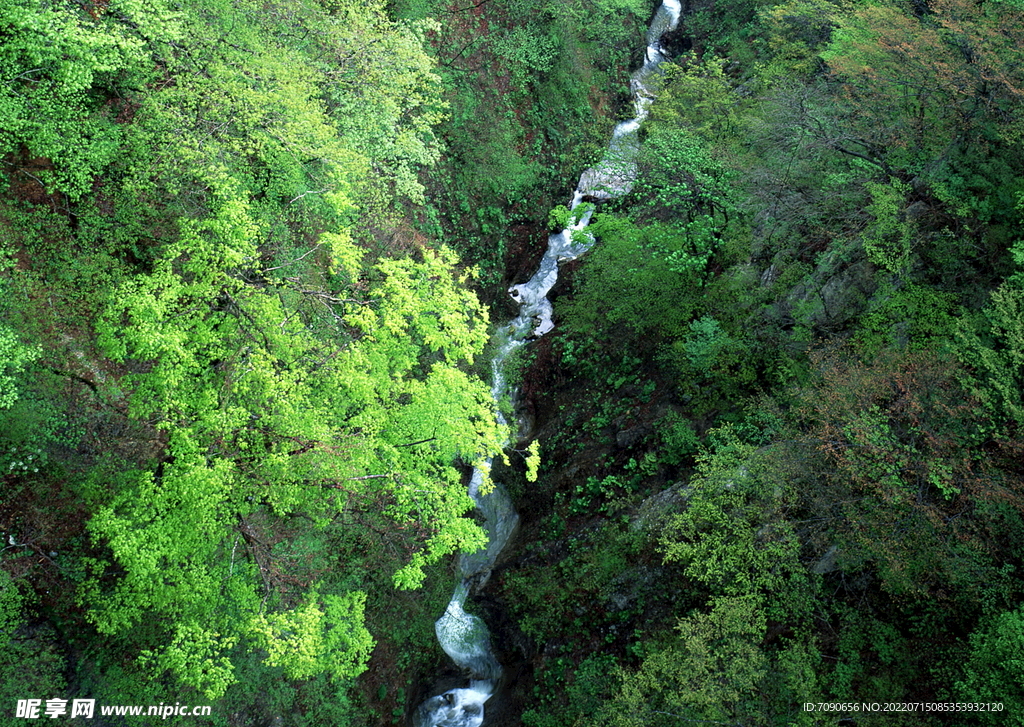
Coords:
463,636
458,707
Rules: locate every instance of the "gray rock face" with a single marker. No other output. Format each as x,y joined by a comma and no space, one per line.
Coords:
634,435
827,564
836,292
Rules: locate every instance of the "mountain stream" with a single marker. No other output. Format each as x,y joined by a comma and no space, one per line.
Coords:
464,636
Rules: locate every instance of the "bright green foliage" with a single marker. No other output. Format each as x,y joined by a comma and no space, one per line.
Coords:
309,640
272,374
196,657
291,126
561,217
168,535
533,460
53,60
297,400
384,95
14,357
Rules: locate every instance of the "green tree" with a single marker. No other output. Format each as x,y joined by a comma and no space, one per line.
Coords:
60,64
929,93
21,646
996,355
900,442
887,241
994,671
735,541
14,357
650,303
716,671
698,96
277,400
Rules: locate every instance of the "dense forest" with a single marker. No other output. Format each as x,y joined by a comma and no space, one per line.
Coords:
251,258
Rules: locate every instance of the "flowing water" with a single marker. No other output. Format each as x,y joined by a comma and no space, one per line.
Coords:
463,636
